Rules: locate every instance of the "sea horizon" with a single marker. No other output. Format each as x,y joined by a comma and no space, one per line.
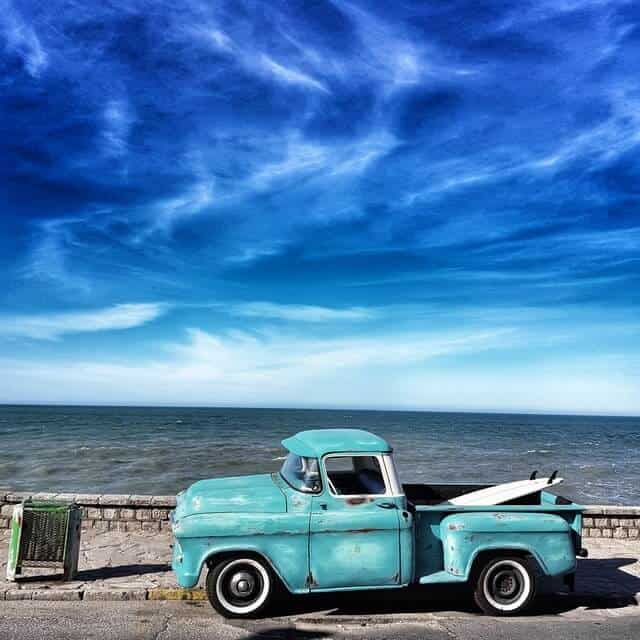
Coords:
277,407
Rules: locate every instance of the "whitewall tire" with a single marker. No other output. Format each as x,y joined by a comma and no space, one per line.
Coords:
506,586
240,587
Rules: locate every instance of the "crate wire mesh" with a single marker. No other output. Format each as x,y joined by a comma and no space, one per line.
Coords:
44,535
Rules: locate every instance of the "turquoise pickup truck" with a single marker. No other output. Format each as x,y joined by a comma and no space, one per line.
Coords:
336,518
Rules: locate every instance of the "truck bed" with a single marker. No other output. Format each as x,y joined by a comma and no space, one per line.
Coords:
434,494
437,547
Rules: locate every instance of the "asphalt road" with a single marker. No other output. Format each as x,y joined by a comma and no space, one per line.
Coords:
183,621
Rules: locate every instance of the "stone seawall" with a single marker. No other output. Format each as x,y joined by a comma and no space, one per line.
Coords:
103,511
610,521
151,513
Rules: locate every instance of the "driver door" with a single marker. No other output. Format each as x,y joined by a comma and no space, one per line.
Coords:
354,527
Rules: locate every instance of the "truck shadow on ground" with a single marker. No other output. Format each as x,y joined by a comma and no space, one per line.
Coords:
122,571
379,602
101,573
600,584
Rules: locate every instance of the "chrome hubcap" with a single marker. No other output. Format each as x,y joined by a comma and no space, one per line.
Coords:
242,584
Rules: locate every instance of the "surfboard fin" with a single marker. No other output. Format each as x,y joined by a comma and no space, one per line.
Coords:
552,477
533,475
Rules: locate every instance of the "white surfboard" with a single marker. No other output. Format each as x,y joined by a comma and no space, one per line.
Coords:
503,492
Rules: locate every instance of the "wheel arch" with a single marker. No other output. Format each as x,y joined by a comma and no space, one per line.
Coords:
481,556
217,555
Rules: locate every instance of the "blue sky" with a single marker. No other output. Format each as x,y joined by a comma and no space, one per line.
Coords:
395,205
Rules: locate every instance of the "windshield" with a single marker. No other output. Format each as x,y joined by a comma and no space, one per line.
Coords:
301,473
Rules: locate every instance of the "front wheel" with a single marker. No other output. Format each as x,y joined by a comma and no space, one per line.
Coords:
506,586
240,587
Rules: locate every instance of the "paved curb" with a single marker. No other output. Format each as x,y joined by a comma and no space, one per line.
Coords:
104,595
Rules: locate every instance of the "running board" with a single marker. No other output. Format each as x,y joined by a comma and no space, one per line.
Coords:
439,577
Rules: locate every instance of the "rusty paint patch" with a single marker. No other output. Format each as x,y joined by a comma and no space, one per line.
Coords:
361,530
334,531
455,527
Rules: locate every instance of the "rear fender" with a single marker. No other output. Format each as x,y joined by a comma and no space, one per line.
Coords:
544,536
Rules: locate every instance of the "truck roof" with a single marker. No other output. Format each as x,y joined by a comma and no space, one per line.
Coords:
318,442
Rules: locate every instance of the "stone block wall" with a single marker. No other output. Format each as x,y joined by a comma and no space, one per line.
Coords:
103,511
608,521
151,513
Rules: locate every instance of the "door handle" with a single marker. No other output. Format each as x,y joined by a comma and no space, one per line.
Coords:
387,505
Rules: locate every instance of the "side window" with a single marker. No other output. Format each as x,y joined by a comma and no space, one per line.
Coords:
354,475
301,473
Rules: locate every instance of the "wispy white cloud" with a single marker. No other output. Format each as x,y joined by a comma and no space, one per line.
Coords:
251,368
593,147
290,162
394,59
603,142
118,120
54,325
22,39
598,385
299,312
54,240
403,370
218,38
544,10
258,62
305,357
289,75
164,214
391,370
300,157
248,254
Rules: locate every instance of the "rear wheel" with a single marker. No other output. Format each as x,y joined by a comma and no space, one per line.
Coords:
506,586
240,587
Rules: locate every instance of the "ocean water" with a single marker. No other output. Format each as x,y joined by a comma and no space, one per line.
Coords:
163,450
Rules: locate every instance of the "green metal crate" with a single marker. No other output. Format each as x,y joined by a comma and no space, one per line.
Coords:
44,535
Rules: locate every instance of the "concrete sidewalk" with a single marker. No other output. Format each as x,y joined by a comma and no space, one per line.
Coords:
119,566
113,565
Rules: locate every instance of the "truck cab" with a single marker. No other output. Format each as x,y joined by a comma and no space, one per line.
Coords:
336,517
357,509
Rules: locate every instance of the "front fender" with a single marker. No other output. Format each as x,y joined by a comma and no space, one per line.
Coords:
188,568
547,537
282,539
